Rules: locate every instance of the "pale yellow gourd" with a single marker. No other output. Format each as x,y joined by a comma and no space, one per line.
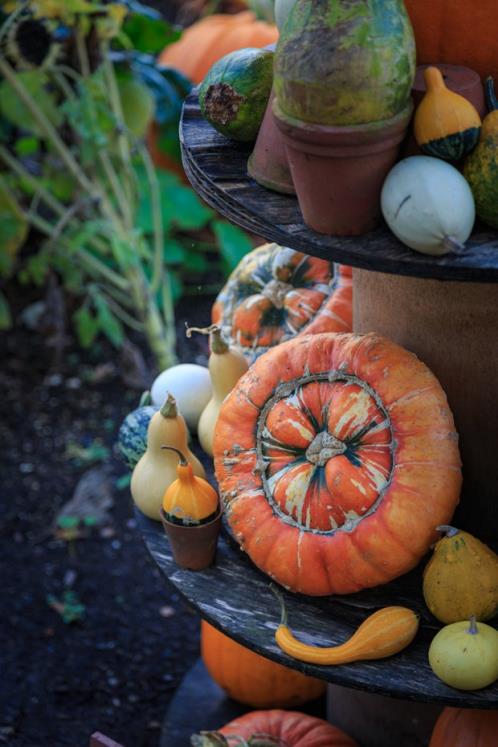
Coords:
464,655
156,469
226,366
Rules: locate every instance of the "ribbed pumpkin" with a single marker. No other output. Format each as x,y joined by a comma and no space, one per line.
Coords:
252,679
461,32
465,727
336,456
289,728
276,293
211,38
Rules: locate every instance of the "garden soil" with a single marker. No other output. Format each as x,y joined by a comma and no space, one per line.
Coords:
115,667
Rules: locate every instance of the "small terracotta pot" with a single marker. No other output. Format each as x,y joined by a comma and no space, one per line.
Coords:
338,172
268,163
193,547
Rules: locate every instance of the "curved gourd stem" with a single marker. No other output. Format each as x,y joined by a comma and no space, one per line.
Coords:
491,98
216,342
183,460
283,611
169,408
448,531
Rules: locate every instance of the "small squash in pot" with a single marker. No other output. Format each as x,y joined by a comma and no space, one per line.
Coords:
461,578
276,293
253,679
464,655
465,727
226,366
156,469
189,500
446,125
481,166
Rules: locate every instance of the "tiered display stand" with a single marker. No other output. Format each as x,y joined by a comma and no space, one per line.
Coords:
446,311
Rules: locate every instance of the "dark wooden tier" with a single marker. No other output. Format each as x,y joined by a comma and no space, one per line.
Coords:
235,597
217,169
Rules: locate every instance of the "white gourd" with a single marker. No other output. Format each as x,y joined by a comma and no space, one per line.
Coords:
189,384
428,205
282,10
156,469
226,366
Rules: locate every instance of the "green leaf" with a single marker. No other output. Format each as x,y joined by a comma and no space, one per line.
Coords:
150,35
181,206
26,146
196,263
123,253
90,115
108,322
174,253
87,326
5,315
233,242
176,285
17,113
14,228
123,481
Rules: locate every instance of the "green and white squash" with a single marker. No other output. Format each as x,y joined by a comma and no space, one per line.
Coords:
132,437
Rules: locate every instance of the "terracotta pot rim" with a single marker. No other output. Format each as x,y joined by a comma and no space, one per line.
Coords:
343,134
191,526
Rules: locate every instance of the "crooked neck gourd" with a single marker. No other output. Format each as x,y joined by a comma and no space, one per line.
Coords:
156,469
226,366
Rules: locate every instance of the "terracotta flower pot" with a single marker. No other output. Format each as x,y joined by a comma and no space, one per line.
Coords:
338,172
193,547
268,163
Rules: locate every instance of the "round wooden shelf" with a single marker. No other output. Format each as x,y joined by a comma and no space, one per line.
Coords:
235,597
217,169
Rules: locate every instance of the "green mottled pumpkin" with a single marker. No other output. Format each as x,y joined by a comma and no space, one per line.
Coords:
132,436
481,166
446,125
345,62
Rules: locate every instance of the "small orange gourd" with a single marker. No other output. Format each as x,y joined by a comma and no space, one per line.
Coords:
384,633
446,125
189,500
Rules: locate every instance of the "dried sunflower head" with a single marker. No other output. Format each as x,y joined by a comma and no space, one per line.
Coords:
29,43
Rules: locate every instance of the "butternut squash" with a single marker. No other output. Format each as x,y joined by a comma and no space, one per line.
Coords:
226,366
156,469
384,633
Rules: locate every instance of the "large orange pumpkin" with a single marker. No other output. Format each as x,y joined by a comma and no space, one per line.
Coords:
465,727
276,293
209,39
252,679
337,457
462,32
292,728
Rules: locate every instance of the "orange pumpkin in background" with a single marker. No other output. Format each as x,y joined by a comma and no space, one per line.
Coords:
252,679
276,293
337,457
465,727
460,32
211,38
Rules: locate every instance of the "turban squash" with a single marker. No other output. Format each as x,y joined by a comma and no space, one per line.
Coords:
252,679
276,293
336,457
289,728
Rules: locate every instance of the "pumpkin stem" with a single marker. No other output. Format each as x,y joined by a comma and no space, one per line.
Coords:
473,629
145,399
169,408
491,98
216,342
283,611
453,245
449,531
183,460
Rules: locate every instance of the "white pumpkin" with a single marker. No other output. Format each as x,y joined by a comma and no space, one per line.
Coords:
190,385
428,205
282,10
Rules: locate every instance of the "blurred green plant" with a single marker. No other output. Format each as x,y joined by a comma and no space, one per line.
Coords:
79,87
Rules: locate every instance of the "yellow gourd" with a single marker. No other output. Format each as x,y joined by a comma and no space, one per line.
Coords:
384,633
156,469
464,655
226,366
461,578
189,500
446,125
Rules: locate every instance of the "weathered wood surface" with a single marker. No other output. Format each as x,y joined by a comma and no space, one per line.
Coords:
235,597
217,169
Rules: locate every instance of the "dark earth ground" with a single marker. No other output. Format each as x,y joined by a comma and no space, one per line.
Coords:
116,669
